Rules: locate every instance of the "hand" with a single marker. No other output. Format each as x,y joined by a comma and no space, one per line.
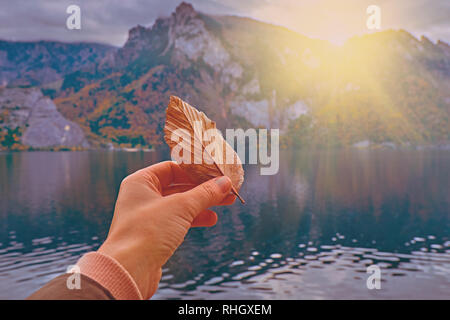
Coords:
155,208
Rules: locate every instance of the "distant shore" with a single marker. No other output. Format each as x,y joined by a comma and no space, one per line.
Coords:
64,149
357,146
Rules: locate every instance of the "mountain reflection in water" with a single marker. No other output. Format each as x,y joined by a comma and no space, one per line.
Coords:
308,232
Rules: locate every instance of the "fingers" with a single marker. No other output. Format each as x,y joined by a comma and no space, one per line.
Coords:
177,188
208,194
229,199
166,173
206,218
183,187
169,178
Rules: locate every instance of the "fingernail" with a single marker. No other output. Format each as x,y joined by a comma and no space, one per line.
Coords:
224,184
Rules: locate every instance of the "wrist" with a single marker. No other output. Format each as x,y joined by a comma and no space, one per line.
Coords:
145,275
110,274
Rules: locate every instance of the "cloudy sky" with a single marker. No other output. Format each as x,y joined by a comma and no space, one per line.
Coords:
108,21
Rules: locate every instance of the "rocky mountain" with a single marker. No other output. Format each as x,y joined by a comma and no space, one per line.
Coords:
232,68
44,62
28,119
386,88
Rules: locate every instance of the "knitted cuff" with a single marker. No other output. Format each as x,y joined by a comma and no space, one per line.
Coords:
110,274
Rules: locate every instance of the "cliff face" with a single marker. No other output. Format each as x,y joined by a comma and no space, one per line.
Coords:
30,119
230,68
386,87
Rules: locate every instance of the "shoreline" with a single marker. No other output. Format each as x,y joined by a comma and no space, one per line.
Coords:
131,150
371,146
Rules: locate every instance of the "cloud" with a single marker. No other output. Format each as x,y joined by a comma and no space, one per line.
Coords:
108,21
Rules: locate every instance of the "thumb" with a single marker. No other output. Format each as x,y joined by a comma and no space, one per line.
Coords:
208,194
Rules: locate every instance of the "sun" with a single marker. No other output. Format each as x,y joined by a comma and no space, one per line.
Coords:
335,21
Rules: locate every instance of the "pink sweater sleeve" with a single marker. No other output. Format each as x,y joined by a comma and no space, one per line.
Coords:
110,274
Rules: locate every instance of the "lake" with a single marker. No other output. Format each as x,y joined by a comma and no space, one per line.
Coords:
309,232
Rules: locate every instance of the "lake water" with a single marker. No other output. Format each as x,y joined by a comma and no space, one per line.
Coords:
308,232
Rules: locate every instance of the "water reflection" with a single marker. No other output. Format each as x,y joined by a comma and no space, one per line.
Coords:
308,232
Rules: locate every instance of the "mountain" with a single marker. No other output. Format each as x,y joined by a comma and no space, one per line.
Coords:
231,68
30,120
386,88
44,62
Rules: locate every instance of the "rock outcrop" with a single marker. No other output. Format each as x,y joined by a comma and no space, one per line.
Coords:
383,87
41,124
246,73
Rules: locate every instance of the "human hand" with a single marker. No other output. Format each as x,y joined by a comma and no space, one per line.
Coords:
154,210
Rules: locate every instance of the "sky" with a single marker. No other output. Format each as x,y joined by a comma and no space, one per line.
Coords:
108,21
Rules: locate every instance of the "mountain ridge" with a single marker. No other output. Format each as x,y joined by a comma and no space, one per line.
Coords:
51,60
246,73
28,119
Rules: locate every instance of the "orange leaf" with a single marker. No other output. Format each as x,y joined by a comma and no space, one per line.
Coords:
185,129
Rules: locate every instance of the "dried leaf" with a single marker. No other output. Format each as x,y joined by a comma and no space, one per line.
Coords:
187,129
